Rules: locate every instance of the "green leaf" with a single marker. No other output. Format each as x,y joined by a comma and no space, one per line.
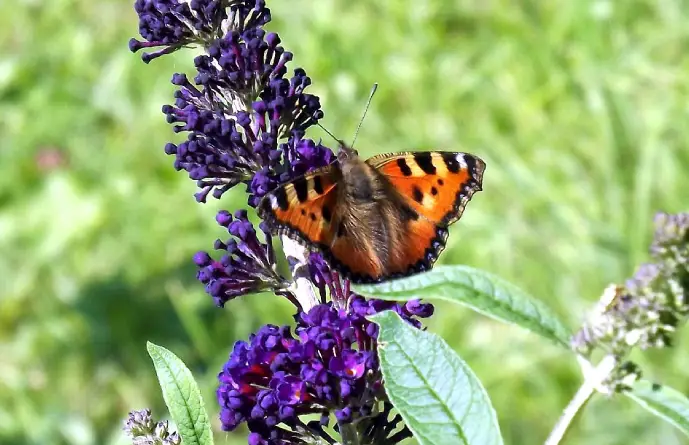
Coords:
182,396
439,397
480,291
663,401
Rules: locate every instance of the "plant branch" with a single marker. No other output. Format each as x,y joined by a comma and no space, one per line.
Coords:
348,433
302,288
593,377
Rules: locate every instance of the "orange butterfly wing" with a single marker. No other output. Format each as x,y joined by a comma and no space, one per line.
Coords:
423,242
438,185
434,188
305,207
359,260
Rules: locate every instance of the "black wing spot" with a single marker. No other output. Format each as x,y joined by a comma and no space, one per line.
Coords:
312,216
417,194
409,214
425,162
451,162
434,191
471,164
303,212
281,198
404,168
302,189
441,182
318,185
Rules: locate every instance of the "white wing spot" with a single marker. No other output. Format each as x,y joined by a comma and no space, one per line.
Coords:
461,160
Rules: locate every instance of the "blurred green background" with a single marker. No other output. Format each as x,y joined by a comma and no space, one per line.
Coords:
579,108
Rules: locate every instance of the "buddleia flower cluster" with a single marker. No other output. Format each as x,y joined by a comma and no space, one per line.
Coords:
245,116
143,430
648,309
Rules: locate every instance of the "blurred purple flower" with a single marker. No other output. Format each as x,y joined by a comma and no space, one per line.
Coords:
647,311
671,240
143,430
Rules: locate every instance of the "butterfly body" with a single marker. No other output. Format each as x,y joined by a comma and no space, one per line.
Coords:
379,218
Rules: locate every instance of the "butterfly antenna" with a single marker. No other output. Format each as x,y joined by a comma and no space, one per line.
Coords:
368,103
329,133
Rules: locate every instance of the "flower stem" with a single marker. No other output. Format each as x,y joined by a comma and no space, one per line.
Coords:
593,377
349,434
302,288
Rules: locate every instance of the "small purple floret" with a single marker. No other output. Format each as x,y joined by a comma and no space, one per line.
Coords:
247,266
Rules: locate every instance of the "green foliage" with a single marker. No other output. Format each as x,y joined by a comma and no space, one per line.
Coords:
663,401
182,397
479,290
578,108
438,396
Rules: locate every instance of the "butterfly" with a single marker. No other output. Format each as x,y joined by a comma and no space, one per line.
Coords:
380,218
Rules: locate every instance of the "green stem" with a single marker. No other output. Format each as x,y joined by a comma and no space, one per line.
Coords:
349,434
593,377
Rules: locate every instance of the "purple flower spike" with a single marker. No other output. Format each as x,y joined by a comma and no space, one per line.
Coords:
141,428
245,121
671,238
288,105
220,151
648,310
247,265
328,367
240,66
172,24
238,113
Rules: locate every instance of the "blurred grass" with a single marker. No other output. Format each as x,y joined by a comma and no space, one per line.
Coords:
578,108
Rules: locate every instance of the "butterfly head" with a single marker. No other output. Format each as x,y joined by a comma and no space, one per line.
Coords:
345,152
